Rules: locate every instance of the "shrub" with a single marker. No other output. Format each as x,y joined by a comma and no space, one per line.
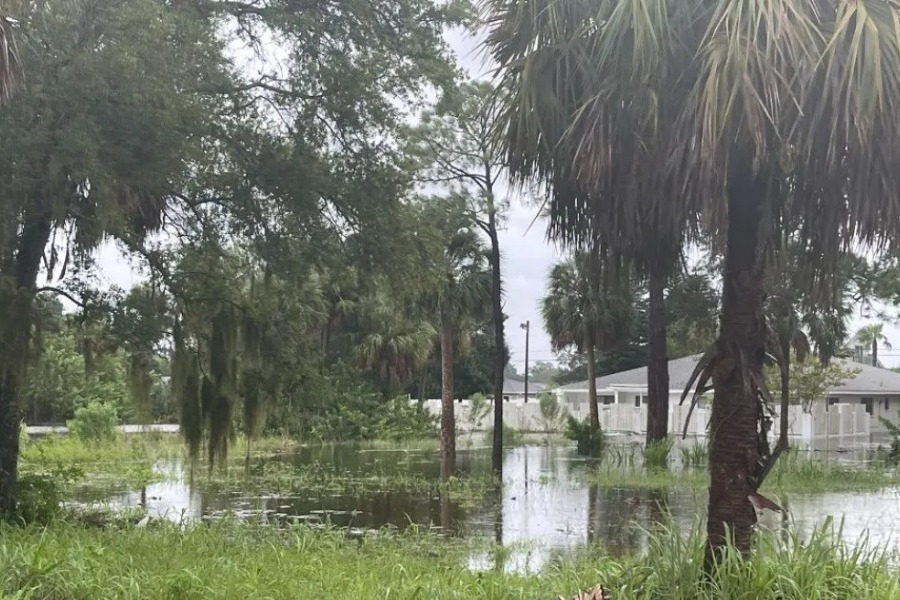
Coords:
40,495
95,423
552,414
479,407
588,442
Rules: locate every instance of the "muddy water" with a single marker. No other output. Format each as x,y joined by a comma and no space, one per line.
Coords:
543,509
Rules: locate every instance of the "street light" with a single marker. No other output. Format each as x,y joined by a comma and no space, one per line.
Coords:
527,327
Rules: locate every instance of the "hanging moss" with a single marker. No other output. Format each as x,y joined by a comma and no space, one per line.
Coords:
223,351
251,393
140,381
186,386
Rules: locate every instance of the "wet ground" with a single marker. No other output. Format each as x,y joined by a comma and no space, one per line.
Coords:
542,510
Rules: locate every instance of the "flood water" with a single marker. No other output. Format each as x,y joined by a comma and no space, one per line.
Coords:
543,510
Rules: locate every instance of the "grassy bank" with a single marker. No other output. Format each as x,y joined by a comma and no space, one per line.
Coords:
230,560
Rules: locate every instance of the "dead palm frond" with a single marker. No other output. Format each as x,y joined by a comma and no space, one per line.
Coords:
10,65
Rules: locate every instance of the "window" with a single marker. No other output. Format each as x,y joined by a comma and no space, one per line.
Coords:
868,404
832,400
607,400
887,403
638,400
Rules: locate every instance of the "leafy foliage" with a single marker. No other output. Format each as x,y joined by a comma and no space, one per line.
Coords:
552,414
95,422
811,379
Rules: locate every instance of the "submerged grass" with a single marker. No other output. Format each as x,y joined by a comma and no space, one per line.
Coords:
234,560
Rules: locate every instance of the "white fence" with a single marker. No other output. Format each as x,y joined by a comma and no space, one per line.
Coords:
838,425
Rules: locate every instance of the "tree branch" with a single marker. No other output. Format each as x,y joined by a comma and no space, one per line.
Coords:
63,293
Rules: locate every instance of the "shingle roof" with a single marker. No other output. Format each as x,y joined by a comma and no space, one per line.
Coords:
869,379
512,386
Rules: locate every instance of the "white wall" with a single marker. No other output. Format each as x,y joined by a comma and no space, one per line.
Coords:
842,424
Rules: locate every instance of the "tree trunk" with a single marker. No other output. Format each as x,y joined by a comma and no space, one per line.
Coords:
15,334
499,342
423,384
448,419
875,352
9,446
592,388
657,360
734,458
783,424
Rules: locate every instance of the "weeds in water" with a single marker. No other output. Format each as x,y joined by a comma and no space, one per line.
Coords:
620,456
792,473
511,436
695,456
656,454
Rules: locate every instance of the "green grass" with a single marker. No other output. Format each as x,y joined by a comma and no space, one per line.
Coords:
231,560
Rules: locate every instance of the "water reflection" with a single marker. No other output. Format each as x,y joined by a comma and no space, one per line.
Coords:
542,510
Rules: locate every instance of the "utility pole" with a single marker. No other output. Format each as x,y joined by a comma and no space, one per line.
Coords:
527,327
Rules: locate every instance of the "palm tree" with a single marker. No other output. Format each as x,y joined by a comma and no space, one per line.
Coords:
870,336
393,346
461,292
455,143
579,311
734,111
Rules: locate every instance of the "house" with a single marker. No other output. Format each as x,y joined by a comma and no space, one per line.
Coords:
856,403
514,389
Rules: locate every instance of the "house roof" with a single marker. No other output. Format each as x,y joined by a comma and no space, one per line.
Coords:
868,379
513,386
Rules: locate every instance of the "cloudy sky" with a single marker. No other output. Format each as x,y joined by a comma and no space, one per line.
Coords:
527,256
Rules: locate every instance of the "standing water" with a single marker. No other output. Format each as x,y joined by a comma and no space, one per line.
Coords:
543,509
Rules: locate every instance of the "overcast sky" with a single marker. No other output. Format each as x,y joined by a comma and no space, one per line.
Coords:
527,256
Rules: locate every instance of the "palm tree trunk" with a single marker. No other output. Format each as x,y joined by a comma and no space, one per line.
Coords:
875,351
592,388
499,349
734,454
448,419
657,361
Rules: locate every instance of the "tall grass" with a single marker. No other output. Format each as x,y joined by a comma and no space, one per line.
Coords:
231,560
656,454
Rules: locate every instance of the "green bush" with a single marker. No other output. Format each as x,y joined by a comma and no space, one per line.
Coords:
40,495
95,423
587,441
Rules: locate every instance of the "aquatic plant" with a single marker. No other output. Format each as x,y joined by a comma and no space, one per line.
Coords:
656,454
